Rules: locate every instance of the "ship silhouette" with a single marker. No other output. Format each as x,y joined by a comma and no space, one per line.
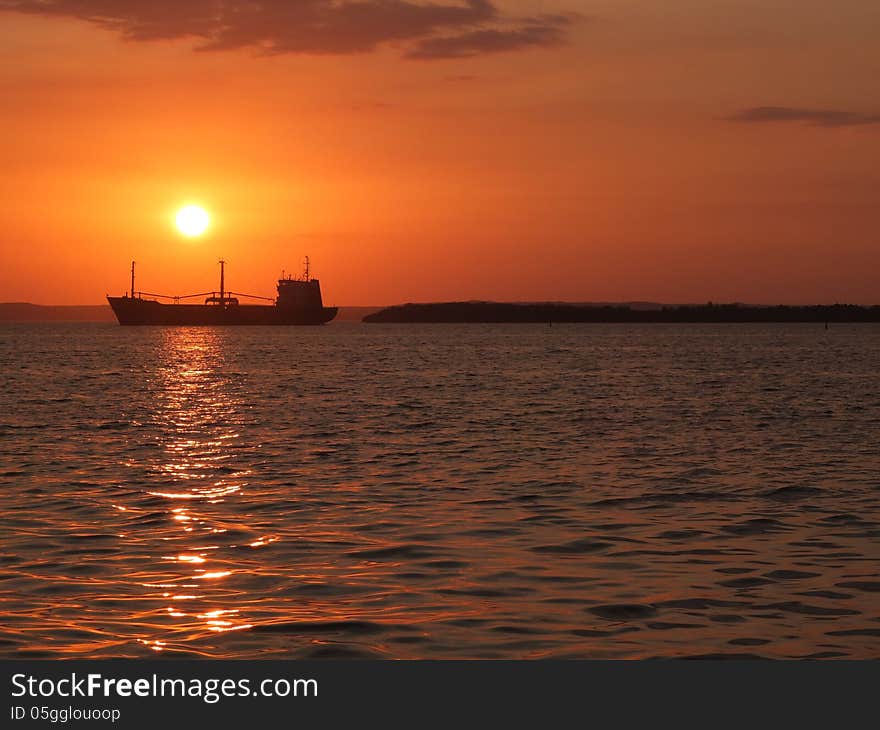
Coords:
299,302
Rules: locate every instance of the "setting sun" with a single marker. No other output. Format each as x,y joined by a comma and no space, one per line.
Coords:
192,220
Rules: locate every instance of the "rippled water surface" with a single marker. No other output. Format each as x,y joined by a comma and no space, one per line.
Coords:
440,491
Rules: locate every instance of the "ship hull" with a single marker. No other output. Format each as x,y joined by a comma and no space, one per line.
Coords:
135,311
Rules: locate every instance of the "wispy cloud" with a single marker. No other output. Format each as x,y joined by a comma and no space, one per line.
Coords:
477,42
430,29
817,117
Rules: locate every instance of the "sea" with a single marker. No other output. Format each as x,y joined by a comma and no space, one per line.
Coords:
440,491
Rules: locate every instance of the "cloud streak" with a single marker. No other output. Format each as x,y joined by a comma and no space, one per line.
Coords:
491,40
428,29
816,117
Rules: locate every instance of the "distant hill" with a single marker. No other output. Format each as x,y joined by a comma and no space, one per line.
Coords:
354,314
453,312
24,312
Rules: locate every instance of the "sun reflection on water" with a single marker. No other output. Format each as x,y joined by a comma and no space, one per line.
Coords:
199,416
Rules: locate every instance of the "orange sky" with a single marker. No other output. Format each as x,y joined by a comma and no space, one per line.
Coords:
443,149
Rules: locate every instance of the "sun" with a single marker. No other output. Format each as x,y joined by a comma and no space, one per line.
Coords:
192,220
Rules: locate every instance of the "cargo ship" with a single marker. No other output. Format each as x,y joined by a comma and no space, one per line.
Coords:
298,302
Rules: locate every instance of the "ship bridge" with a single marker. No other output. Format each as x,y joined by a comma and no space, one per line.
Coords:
301,292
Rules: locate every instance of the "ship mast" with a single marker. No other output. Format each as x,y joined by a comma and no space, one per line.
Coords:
222,291
132,279
306,275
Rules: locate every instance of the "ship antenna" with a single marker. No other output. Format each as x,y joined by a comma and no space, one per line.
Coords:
222,297
132,279
307,268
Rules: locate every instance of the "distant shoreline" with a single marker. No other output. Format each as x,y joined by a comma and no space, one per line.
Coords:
26,312
500,312
509,312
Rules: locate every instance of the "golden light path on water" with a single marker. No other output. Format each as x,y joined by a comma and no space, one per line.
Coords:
201,416
209,578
